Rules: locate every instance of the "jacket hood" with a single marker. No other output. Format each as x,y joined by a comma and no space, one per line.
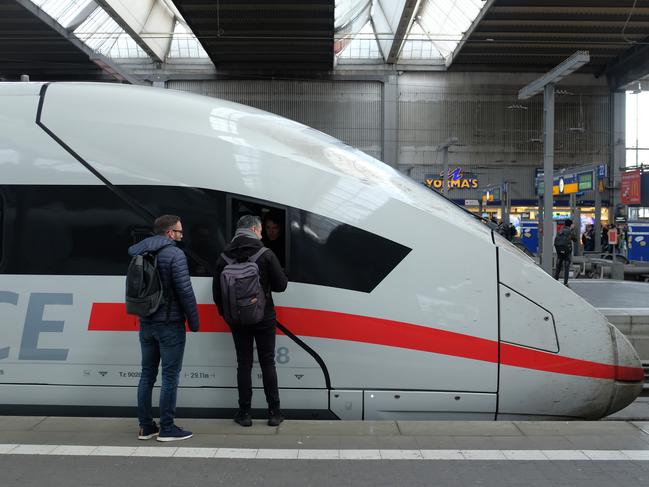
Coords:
242,247
150,244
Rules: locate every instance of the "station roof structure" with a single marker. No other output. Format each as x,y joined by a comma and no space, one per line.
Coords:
136,40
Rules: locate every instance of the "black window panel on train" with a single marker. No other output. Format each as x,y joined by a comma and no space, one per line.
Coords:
331,253
68,230
86,230
203,215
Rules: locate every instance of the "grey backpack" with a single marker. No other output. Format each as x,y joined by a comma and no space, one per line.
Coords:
242,295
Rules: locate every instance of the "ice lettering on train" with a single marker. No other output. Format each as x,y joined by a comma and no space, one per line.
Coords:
7,297
35,325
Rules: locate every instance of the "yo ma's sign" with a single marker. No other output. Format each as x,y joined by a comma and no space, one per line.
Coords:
456,179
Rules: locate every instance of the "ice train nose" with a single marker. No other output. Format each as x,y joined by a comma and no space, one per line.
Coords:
629,376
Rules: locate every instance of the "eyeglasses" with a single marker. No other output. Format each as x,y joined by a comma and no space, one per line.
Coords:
179,231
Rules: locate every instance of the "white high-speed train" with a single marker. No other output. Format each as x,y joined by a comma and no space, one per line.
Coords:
399,305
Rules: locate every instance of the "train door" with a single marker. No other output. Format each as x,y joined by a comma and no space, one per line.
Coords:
303,378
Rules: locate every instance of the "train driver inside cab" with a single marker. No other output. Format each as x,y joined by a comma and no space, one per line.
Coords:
273,235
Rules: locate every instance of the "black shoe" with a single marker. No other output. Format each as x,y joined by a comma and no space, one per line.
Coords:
148,432
175,433
274,417
243,417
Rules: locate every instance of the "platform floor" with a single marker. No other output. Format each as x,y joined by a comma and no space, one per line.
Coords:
608,295
106,452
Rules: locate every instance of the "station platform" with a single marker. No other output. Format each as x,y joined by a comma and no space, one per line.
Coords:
66,451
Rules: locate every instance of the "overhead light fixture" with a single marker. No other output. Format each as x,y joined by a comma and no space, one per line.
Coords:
567,67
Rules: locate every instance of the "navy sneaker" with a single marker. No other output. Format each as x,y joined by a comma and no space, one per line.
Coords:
174,434
275,417
148,432
243,417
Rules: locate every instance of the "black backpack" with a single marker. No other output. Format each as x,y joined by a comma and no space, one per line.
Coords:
144,292
562,242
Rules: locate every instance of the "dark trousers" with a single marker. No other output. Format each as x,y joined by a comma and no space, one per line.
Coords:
563,262
161,343
263,335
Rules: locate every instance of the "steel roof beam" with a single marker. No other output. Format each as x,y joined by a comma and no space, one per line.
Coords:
393,19
469,32
102,61
629,67
149,22
82,16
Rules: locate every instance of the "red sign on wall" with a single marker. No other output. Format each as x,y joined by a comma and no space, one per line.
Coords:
630,187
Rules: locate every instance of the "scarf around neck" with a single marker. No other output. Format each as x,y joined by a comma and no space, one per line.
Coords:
245,232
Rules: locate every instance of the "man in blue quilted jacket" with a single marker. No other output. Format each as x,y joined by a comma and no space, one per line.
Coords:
162,334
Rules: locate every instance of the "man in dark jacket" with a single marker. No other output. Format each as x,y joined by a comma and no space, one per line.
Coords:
563,245
246,242
162,334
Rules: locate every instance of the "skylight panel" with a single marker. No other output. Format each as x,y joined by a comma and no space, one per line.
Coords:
346,10
363,45
126,47
184,44
444,22
63,11
418,45
104,36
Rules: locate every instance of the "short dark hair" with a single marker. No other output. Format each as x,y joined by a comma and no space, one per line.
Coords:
274,217
568,222
249,221
164,223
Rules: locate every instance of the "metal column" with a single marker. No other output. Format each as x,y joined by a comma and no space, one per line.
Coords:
598,212
390,147
575,216
445,176
548,172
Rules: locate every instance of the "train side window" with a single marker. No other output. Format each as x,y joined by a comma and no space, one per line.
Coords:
273,223
139,234
91,228
203,214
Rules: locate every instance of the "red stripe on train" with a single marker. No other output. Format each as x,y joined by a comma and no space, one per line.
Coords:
377,331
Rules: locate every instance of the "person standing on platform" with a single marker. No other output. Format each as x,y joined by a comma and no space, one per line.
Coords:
563,245
588,238
251,316
162,334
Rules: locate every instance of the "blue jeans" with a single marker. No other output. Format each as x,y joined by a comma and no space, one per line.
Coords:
161,343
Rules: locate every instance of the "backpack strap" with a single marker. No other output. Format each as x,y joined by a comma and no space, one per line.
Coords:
227,259
167,291
256,255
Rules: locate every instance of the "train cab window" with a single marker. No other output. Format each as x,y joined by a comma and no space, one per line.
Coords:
331,253
273,220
